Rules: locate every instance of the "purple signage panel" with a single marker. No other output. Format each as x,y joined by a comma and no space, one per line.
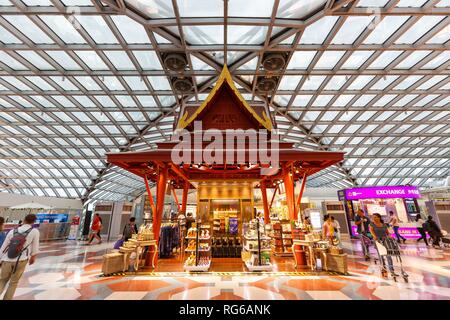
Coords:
382,192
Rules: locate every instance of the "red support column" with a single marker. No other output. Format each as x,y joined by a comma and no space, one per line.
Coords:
160,193
273,196
175,197
299,199
265,203
152,203
289,186
185,196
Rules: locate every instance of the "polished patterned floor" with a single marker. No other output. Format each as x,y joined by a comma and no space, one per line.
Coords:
68,270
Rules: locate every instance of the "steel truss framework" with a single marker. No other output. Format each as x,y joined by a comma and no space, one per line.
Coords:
79,78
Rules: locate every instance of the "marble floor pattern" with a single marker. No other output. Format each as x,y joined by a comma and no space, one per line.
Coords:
70,270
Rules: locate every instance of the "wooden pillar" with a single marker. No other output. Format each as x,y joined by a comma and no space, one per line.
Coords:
299,199
289,186
160,193
185,197
265,203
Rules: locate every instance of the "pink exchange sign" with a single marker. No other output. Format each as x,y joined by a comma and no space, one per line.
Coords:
382,192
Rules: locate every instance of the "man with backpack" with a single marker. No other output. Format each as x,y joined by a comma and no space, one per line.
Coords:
19,248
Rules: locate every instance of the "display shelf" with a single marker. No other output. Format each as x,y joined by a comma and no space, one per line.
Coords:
200,239
202,268
199,250
256,250
250,267
256,238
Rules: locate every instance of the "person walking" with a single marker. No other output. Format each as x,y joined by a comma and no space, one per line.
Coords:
362,224
337,228
394,223
380,232
434,231
2,232
328,229
419,225
95,229
20,248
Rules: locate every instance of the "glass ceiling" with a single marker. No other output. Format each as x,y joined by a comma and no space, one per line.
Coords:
78,81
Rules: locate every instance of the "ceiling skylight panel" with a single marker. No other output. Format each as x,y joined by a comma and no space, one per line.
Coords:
301,100
385,29
356,59
441,37
78,3
383,82
317,32
384,59
112,83
313,82
384,100
64,60
7,37
88,83
153,9
16,83
351,29
246,34
419,29
40,83
336,83
405,100
148,60
132,31
427,99
407,82
97,29
35,59
92,60
411,3
249,8
64,83
363,100
63,29
294,9
289,82
322,100
430,83
105,101
159,83
301,60
120,60
411,60
203,35
135,83
10,62
348,115
360,82
343,100
372,3
210,8
329,59
29,29
438,61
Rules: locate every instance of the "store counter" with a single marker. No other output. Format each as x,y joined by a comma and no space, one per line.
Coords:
48,231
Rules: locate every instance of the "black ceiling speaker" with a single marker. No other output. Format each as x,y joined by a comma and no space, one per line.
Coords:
175,62
267,84
274,62
182,85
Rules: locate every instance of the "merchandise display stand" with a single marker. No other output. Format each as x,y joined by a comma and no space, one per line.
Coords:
200,255
256,249
282,239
